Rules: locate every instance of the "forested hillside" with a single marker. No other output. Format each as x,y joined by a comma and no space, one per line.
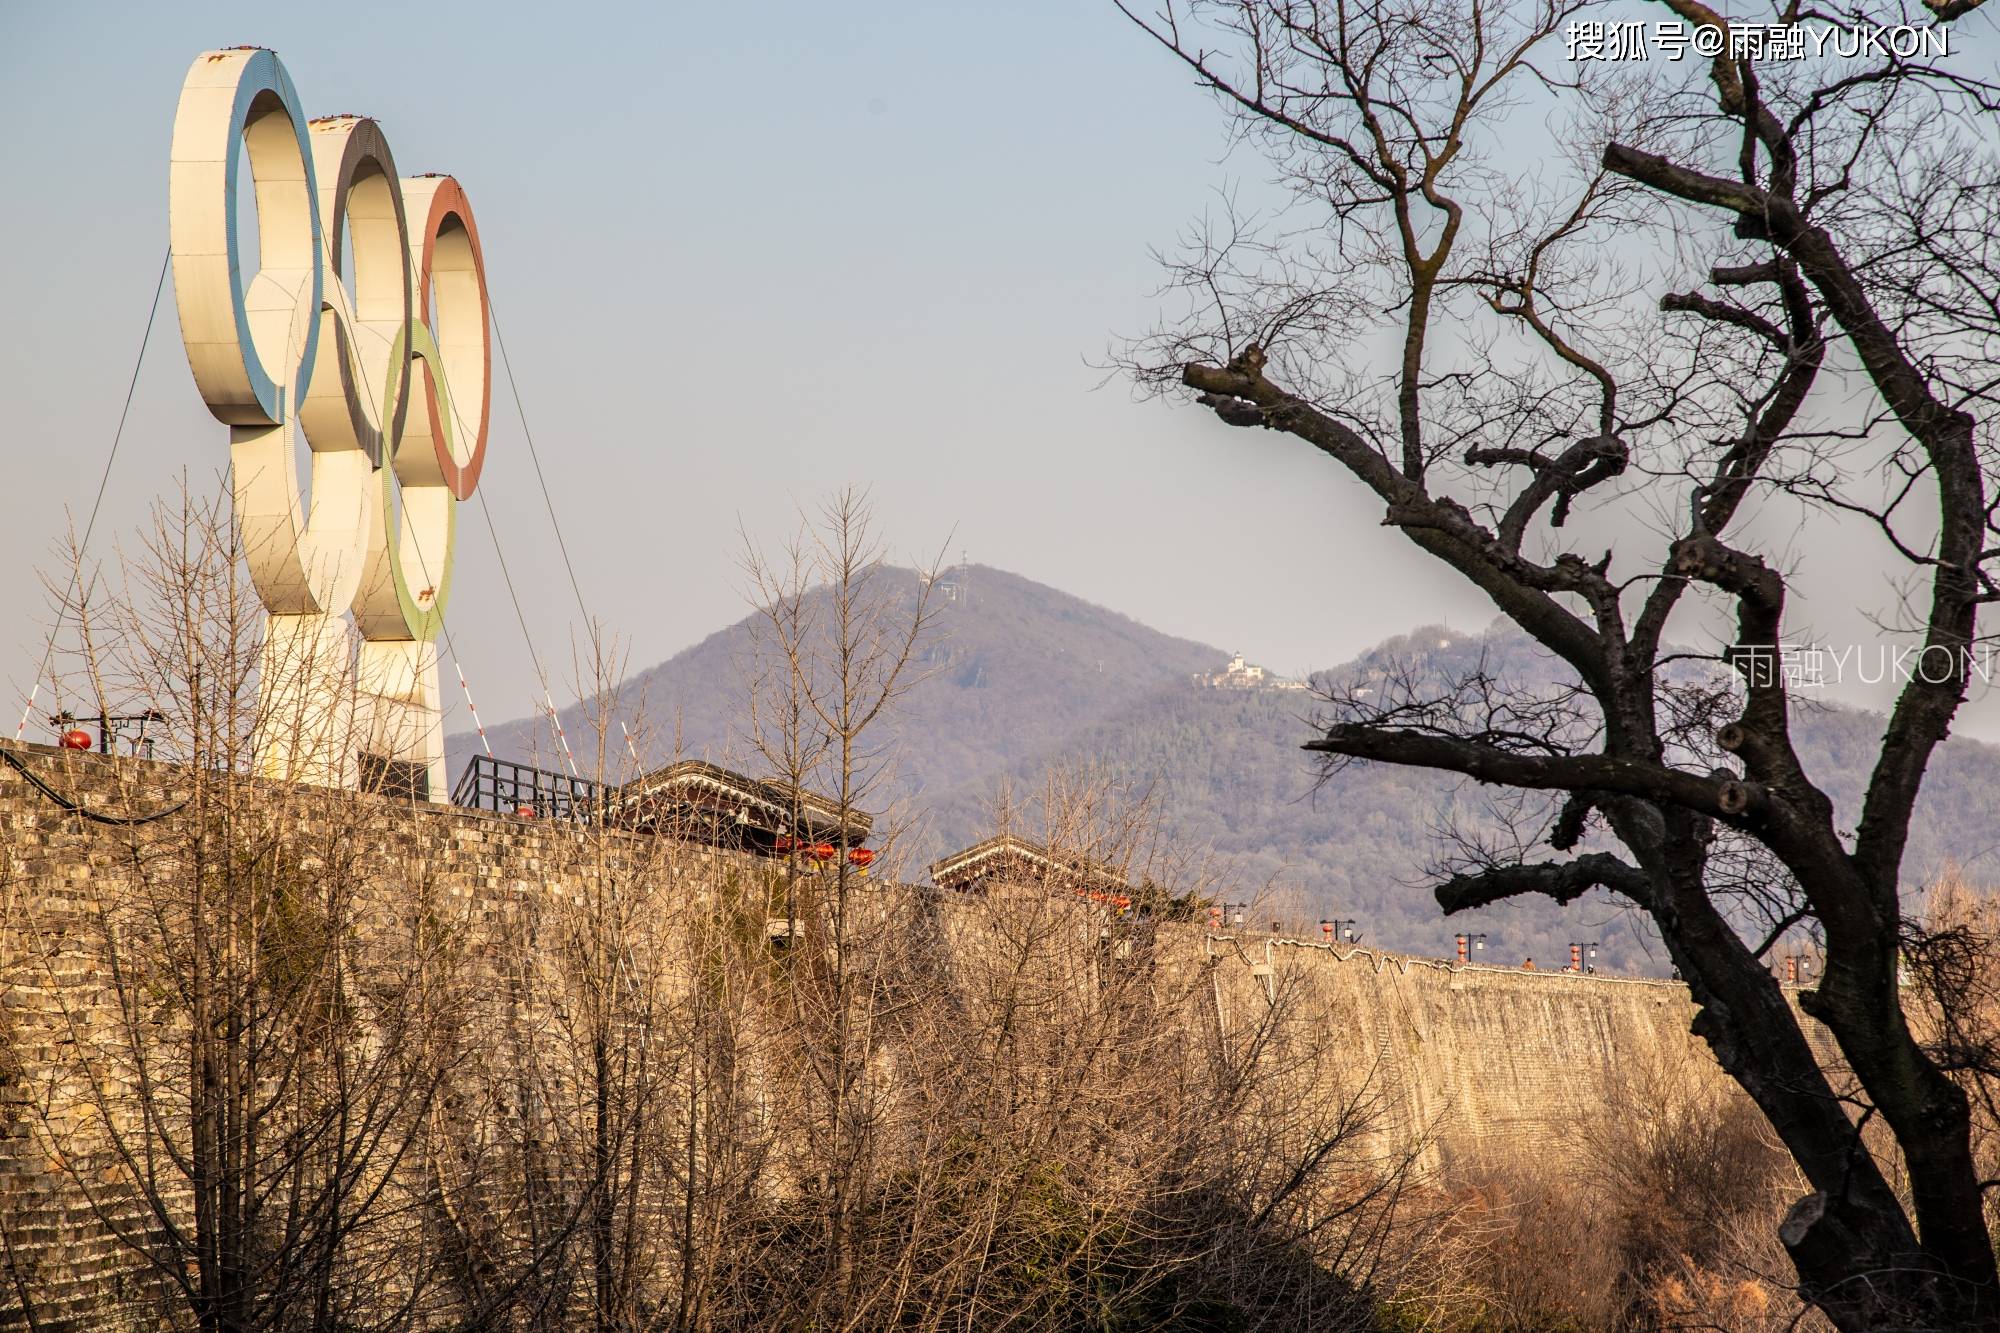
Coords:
1023,678
1013,668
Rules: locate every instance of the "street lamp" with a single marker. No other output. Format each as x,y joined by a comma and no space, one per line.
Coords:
1343,927
1468,945
1583,956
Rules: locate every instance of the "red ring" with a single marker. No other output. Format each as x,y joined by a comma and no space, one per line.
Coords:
448,204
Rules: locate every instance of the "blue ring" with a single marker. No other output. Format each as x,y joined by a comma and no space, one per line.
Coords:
262,73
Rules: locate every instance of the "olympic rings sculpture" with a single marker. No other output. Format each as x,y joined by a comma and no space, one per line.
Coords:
385,377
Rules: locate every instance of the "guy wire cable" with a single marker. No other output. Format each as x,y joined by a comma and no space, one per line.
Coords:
519,616
534,456
527,638
76,572
494,535
548,503
457,663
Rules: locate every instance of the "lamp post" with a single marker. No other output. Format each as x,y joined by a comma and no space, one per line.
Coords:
1468,945
1583,956
111,728
1343,929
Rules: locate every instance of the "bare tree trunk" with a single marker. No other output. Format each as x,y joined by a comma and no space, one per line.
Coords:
1688,799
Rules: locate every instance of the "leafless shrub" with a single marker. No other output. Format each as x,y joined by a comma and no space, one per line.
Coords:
1660,1214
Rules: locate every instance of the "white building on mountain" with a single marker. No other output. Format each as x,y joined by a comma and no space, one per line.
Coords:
1242,675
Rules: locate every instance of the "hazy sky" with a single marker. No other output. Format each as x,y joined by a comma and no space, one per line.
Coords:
737,261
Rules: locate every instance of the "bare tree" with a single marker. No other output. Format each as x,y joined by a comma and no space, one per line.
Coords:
316,1086
596,1136
840,633
1115,1134
1662,327
1058,1124
238,1087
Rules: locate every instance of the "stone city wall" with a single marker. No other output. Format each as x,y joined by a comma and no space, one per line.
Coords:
1479,1063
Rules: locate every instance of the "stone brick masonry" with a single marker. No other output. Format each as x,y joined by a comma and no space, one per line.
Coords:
1487,1062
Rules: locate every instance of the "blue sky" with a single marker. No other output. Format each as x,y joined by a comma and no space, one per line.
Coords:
737,262
739,257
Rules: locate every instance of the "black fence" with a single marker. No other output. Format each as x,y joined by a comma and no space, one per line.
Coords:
508,788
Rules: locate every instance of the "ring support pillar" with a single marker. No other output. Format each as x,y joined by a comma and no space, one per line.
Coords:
305,705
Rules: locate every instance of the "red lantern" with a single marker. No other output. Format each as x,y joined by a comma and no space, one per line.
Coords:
860,856
525,811
76,738
823,851
782,843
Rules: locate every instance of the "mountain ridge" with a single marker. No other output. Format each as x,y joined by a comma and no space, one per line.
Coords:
1025,678
1016,663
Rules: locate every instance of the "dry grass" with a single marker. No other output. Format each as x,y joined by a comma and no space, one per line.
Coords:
1660,1214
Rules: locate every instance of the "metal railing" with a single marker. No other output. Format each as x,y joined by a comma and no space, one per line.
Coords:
508,788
